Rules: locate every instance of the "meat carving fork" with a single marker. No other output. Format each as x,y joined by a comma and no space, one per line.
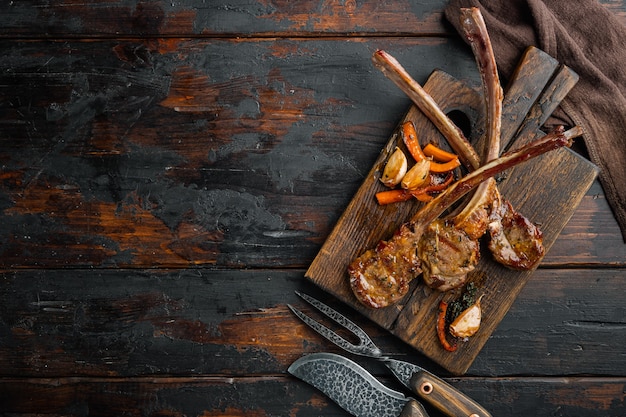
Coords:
427,386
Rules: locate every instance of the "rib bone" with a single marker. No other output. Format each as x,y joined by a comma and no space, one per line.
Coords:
396,73
474,218
475,31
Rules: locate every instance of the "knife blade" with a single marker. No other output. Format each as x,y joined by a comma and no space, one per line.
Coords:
353,388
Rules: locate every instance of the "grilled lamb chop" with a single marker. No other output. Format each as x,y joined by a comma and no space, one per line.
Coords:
483,211
381,276
447,255
515,241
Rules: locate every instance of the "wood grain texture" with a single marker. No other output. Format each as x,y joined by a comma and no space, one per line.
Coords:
169,170
119,18
212,18
253,396
124,323
158,139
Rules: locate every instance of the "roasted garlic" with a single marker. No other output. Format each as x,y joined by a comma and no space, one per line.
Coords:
395,169
418,175
468,322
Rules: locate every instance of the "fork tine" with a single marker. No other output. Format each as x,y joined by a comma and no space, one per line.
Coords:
324,331
337,317
366,346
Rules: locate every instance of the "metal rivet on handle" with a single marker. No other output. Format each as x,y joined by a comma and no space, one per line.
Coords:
426,388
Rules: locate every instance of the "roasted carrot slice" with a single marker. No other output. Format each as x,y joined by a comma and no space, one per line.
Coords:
437,153
409,137
434,187
441,327
445,166
423,197
393,196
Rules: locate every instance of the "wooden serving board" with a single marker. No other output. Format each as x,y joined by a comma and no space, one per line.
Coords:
546,190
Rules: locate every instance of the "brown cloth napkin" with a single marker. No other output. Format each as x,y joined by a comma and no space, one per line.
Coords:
588,38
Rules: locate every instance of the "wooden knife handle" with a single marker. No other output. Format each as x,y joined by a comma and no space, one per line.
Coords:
445,397
413,409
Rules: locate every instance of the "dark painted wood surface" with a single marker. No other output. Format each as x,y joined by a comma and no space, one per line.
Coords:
169,172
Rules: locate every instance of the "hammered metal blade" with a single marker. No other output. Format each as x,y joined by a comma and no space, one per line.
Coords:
349,385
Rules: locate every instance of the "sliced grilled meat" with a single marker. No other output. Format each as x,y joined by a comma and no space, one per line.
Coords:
515,241
447,254
381,276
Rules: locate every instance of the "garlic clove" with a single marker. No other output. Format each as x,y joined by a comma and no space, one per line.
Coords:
395,169
468,322
418,175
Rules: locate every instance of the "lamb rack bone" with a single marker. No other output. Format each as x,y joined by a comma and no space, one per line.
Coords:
474,218
475,31
392,69
378,280
450,249
554,140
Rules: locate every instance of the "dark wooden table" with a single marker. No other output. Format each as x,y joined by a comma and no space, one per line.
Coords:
169,171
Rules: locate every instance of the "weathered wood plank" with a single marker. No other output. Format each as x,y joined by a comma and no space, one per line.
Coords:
569,311
592,236
117,18
234,18
128,323
163,153
179,152
282,396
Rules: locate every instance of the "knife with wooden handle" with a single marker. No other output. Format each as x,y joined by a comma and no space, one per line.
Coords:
353,388
445,397
435,390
